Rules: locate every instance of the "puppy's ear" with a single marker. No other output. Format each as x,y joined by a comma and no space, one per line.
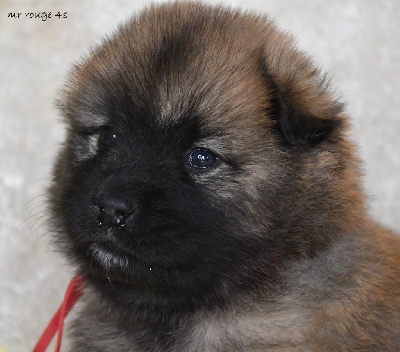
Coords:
300,100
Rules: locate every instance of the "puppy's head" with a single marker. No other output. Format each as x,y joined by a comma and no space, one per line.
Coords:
203,152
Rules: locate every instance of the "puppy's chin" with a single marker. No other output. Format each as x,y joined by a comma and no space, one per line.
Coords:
109,258
143,263
137,282
122,269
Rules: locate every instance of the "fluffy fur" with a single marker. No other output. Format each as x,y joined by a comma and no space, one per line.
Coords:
268,249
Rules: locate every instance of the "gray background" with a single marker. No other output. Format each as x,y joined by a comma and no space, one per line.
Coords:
356,41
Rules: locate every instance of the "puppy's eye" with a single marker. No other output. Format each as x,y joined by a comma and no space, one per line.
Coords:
107,138
202,158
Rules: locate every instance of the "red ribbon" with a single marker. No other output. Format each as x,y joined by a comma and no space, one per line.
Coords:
73,293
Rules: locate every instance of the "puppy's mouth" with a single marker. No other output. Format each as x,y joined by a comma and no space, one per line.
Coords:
112,260
112,256
108,255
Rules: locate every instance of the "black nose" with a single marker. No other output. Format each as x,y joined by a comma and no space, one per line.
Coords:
114,212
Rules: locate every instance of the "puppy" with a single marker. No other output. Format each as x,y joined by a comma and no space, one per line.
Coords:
209,195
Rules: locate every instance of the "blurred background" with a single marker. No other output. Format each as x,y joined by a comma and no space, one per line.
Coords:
356,41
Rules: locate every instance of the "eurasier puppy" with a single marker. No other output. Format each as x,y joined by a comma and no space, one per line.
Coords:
209,195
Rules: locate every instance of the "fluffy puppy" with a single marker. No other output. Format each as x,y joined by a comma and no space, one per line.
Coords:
209,195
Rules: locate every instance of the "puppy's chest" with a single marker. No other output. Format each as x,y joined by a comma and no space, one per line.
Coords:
274,331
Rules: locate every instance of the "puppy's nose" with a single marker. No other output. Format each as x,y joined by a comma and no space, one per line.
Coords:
114,212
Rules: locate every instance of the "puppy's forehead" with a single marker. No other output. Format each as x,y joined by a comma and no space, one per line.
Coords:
169,63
